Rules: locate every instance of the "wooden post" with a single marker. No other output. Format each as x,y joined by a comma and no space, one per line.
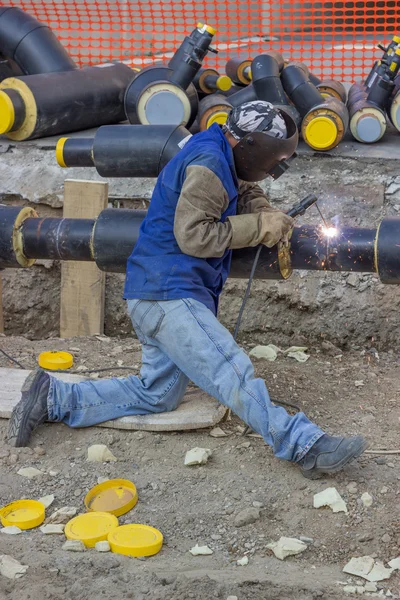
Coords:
82,283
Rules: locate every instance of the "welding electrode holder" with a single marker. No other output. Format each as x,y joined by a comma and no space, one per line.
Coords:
325,120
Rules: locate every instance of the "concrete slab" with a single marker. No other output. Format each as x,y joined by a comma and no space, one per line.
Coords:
197,410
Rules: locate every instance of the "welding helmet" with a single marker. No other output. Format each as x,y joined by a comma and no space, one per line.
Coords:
267,140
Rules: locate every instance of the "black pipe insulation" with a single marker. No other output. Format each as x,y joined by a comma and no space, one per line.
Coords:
124,150
31,44
367,119
393,109
239,70
109,240
8,68
325,120
213,108
55,103
208,81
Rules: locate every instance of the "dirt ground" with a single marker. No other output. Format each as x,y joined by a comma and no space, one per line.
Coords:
198,505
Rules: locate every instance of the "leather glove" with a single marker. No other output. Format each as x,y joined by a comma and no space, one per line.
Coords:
267,227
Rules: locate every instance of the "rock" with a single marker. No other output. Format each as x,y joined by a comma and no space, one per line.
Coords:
247,516
47,500
379,572
386,538
360,567
13,459
258,504
102,479
74,546
384,490
217,432
360,589
216,537
242,562
11,530
100,453
30,472
11,568
330,497
359,383
298,355
353,279
371,586
330,349
350,589
197,456
77,493
395,563
232,598
39,451
287,547
366,499
352,487
61,515
102,546
391,465
200,550
381,460
53,473
52,529
265,352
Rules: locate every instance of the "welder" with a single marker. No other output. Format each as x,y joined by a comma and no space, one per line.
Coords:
204,205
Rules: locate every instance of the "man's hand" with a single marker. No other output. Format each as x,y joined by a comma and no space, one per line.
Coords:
275,227
267,227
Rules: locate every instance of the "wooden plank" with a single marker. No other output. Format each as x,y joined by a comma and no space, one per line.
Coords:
1,307
196,411
82,283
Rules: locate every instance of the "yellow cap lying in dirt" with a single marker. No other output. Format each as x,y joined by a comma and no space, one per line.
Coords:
25,514
115,496
135,540
54,360
91,528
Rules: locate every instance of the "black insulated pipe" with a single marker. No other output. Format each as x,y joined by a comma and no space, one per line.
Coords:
8,68
125,150
59,239
31,44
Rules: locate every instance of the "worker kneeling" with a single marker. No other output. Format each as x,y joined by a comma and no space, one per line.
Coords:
203,206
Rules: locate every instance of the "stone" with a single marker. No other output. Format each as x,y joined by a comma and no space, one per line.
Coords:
360,566
74,546
197,456
384,490
29,472
11,568
100,453
13,459
307,540
258,504
53,473
371,586
379,572
330,497
395,563
350,589
102,479
265,352
39,451
386,538
103,546
247,516
11,530
287,547
200,550
217,432
61,515
47,500
52,529
232,598
367,499
242,562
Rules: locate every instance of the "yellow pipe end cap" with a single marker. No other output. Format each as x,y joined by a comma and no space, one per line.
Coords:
60,152
135,540
115,496
7,113
53,360
396,39
91,527
224,83
205,27
321,133
25,514
219,117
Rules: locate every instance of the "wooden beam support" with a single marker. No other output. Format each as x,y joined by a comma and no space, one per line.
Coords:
82,284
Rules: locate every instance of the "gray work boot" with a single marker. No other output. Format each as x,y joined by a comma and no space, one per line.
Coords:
31,411
330,454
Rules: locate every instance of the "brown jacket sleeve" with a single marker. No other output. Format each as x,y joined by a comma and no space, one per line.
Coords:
201,203
251,199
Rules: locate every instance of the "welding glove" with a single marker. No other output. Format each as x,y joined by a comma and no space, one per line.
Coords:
267,227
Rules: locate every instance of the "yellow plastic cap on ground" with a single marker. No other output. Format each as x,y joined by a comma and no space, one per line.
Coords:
224,83
25,514
54,360
321,133
7,113
115,496
135,540
218,117
60,152
91,528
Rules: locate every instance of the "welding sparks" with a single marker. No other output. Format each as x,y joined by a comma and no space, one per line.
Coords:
329,232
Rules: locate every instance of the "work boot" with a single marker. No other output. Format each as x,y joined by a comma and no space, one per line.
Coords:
31,411
330,454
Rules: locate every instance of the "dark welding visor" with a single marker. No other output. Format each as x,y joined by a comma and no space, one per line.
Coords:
258,154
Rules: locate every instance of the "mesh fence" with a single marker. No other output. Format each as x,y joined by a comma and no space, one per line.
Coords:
336,39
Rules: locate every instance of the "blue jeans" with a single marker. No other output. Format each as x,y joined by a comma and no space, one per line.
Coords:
182,340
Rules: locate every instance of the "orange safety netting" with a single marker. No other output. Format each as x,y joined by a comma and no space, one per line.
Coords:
335,39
